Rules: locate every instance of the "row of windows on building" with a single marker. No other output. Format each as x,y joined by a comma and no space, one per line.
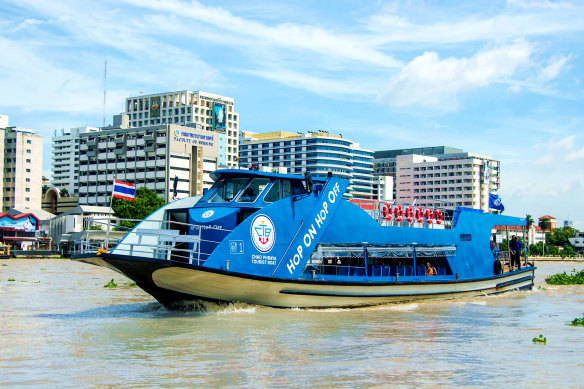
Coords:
11,199
181,111
167,102
13,140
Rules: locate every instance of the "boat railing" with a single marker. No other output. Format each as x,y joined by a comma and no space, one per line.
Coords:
384,212
159,239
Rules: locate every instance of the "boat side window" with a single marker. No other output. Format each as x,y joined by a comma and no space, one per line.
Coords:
274,193
211,191
228,190
286,189
298,188
253,190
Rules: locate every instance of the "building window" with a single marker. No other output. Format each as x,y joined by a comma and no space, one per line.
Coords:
28,161
28,151
28,141
28,170
27,190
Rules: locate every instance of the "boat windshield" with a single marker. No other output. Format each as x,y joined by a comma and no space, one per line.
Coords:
228,189
253,190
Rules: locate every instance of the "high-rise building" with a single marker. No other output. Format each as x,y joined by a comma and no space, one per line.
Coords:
316,152
198,109
158,157
65,161
461,179
20,167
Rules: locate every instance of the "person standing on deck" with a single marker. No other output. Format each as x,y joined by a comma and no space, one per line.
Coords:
495,247
515,248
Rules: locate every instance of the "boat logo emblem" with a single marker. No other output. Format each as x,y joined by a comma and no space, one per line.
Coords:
263,233
208,214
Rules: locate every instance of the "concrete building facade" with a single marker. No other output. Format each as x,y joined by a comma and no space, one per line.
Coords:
461,179
439,175
198,109
65,159
20,167
152,156
316,152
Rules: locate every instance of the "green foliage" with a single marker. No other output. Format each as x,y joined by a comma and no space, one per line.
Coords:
559,236
111,284
575,278
540,340
578,322
544,223
64,192
11,280
528,220
4,264
94,227
130,284
145,202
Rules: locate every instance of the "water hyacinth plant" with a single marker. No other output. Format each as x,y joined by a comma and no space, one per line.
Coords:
111,284
574,278
540,340
578,322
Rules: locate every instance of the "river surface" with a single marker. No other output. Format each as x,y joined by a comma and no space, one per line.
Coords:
59,327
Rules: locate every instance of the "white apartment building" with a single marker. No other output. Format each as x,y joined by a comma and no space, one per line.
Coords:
152,156
20,167
65,160
461,179
202,110
316,152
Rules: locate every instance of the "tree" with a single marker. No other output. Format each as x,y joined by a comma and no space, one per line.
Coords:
544,223
528,220
145,202
64,192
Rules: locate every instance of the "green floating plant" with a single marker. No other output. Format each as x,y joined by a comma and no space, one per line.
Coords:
4,264
11,280
578,322
111,284
574,278
130,284
540,340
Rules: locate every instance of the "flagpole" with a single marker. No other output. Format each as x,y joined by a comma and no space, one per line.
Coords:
109,216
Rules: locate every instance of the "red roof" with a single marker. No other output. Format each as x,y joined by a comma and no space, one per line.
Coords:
547,217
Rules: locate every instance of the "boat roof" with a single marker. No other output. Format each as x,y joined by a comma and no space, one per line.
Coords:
221,173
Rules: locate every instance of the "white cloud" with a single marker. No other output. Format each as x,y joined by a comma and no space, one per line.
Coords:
431,81
554,68
542,4
313,39
575,155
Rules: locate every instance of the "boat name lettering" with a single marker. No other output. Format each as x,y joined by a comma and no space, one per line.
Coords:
314,228
263,259
207,227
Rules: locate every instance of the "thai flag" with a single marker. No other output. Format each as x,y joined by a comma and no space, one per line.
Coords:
123,190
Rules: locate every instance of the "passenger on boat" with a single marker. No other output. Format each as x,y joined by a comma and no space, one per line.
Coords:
495,247
248,195
431,270
515,247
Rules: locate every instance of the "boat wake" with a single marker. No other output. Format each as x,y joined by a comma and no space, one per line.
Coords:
221,308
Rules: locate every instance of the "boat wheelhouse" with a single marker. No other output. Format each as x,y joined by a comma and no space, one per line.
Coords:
291,241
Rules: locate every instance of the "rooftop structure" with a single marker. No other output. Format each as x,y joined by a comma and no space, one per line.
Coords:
20,167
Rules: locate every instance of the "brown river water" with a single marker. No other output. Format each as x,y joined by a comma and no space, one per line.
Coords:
60,328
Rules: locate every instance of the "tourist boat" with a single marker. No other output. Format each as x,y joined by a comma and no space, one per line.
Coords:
285,240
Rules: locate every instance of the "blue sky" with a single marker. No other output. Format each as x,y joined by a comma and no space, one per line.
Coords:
499,78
